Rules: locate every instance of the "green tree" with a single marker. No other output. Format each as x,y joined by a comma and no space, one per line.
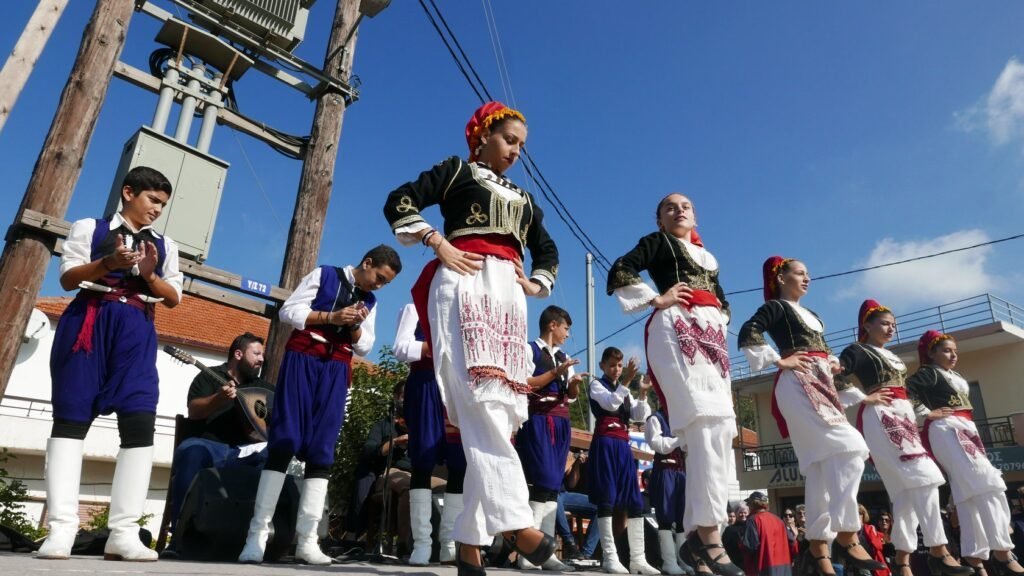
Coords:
369,397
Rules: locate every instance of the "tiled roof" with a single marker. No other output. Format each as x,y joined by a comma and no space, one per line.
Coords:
194,322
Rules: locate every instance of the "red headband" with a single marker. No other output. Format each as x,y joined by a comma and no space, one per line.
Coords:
928,341
482,120
867,308
770,270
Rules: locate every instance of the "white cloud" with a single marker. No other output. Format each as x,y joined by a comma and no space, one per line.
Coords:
928,282
1001,112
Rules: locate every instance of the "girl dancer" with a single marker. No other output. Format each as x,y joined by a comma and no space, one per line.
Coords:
689,363
886,418
950,433
831,452
472,306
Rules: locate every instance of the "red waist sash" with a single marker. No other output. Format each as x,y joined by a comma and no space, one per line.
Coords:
93,299
780,420
703,298
497,245
333,349
612,427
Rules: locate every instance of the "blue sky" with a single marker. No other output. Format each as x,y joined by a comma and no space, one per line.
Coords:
843,135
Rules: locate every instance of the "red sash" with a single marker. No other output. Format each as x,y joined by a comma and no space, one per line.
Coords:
124,294
333,349
497,245
612,427
780,420
703,298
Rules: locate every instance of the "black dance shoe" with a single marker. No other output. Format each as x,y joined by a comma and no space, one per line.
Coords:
1003,568
540,554
859,564
701,555
939,568
812,565
464,569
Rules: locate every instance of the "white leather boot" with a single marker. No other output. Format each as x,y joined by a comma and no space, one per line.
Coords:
63,476
420,510
311,510
452,509
127,503
610,561
680,538
637,553
669,563
547,526
538,517
267,494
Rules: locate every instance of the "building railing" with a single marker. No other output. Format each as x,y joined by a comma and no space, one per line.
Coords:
994,432
974,311
36,409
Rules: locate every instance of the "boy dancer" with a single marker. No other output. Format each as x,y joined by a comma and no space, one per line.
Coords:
613,479
543,441
332,312
103,360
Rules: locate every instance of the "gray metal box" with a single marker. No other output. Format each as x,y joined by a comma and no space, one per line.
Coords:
197,180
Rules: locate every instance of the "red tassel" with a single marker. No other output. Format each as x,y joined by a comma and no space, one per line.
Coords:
84,340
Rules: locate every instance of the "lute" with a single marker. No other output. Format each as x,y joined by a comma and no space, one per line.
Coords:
252,405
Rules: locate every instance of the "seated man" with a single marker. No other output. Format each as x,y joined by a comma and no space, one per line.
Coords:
224,441
390,437
573,499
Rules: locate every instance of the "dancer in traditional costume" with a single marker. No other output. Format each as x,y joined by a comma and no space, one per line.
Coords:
667,491
949,432
806,406
432,441
887,420
543,441
103,360
612,467
472,305
689,363
332,314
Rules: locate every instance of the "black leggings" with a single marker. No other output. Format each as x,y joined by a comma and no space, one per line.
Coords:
136,430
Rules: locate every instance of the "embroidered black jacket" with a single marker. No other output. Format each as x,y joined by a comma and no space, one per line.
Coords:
863,365
471,204
668,262
930,387
783,323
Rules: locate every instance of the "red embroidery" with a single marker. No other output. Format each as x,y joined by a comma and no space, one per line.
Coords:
900,429
710,342
971,443
822,393
494,341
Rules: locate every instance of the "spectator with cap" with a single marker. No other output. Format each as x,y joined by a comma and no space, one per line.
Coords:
768,547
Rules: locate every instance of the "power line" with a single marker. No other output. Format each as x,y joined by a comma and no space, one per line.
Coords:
835,275
548,192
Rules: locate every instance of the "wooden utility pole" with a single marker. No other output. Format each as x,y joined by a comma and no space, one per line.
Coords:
27,254
317,179
23,58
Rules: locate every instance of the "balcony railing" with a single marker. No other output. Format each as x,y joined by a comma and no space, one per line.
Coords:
974,311
994,432
36,409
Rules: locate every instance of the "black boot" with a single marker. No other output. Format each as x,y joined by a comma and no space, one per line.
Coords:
540,554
